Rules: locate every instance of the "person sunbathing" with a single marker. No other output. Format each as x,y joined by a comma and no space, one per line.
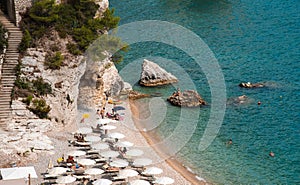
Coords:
70,159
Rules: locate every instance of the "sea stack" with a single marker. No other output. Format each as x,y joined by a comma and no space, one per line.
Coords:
153,75
188,98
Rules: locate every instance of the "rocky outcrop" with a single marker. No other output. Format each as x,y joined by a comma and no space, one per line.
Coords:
101,80
188,98
133,95
250,85
154,75
63,100
103,5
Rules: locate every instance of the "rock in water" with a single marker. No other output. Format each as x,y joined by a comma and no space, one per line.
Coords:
154,75
188,98
250,85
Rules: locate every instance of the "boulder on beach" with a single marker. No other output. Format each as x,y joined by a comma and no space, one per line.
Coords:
153,75
250,85
188,98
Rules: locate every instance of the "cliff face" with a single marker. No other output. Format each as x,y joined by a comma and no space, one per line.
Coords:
101,80
77,82
64,83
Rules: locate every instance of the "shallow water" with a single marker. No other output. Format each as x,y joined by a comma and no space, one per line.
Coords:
255,41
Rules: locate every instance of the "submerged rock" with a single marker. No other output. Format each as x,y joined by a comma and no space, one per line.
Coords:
188,98
240,100
133,95
154,75
250,85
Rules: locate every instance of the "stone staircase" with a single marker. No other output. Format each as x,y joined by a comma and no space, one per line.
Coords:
8,77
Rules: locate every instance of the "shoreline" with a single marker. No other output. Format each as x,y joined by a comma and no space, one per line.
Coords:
173,163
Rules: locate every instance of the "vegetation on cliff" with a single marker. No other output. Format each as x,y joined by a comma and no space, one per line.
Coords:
3,40
64,31
32,92
74,18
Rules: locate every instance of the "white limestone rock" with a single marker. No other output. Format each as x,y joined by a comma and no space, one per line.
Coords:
153,75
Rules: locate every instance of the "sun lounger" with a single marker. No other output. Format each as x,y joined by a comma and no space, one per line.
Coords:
118,178
80,177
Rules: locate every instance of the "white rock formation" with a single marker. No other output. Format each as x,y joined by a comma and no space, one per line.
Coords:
101,79
103,5
153,75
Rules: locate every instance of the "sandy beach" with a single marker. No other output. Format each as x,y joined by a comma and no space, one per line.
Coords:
170,161
142,140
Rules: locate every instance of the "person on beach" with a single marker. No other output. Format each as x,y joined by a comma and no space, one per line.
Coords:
102,113
70,159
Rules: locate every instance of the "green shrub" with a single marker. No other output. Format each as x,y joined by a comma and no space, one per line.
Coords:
27,100
25,42
110,43
73,49
84,36
22,83
74,18
55,61
40,108
43,12
40,87
3,40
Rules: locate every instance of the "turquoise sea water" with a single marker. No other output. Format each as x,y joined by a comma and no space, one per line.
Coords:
255,41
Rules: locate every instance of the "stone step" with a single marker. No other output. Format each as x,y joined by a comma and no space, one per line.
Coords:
8,73
8,69
12,76
10,61
6,81
11,55
7,78
7,84
3,96
5,113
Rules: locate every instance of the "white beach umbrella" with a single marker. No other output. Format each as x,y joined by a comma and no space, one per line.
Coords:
102,182
65,179
134,152
86,162
85,130
106,121
57,171
164,180
139,182
108,127
119,163
94,171
128,173
124,144
116,135
76,153
142,162
152,171
100,146
92,138
109,153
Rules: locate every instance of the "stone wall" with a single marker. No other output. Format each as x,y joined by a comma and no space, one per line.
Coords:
20,7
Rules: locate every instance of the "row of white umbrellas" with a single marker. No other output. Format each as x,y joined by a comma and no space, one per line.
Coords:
161,180
125,173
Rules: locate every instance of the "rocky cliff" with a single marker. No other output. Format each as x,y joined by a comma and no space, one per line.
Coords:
76,82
